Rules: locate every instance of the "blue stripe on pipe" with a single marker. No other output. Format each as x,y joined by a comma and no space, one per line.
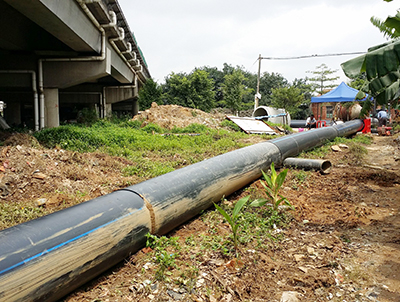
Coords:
64,243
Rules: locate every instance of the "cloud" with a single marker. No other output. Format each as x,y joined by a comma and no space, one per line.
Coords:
179,35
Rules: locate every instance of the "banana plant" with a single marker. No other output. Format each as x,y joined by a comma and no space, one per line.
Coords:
381,64
232,220
272,186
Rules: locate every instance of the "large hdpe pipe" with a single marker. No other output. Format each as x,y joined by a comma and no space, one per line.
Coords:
46,258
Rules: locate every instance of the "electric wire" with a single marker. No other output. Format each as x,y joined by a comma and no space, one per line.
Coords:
312,56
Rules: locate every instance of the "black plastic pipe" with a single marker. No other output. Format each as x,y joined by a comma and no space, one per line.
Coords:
46,258
308,164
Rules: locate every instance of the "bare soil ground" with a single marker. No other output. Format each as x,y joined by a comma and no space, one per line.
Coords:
341,245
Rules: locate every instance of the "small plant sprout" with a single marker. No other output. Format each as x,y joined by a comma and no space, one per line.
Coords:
272,186
232,220
166,250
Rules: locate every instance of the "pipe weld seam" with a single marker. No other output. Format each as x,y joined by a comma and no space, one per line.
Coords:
149,207
152,214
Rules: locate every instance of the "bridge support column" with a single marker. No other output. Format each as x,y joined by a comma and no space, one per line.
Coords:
135,107
13,113
108,110
52,114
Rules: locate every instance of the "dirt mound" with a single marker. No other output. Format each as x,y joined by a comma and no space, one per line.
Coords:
21,139
170,116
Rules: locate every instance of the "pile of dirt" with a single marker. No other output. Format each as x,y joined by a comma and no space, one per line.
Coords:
170,116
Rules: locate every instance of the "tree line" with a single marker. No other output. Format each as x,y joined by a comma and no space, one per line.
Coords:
233,88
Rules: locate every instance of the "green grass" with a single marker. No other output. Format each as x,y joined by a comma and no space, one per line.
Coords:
15,213
322,151
153,150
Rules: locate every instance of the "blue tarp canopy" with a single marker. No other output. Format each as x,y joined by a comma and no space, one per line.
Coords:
342,93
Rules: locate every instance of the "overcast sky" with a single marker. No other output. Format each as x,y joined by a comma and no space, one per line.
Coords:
179,35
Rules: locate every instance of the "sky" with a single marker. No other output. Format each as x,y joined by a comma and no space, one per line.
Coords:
180,35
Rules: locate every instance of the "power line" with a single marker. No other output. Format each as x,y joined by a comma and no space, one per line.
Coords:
257,96
313,56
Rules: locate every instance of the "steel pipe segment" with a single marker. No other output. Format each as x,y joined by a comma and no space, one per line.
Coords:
180,195
349,127
308,164
46,258
293,144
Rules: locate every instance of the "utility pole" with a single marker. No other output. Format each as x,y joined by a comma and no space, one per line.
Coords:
257,97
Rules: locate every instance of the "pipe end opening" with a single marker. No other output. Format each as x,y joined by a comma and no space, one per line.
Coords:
326,166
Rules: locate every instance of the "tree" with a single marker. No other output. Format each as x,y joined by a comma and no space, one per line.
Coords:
177,90
150,92
303,110
193,91
358,82
268,81
234,90
218,77
321,77
203,96
288,98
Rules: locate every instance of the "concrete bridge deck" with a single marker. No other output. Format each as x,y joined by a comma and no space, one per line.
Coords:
60,56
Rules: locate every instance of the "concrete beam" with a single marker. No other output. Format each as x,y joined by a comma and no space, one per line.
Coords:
68,74
120,70
120,93
75,72
63,19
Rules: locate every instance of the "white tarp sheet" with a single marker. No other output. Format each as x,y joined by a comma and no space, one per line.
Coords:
251,125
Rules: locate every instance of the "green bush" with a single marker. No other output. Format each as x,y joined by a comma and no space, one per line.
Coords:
150,128
87,116
230,125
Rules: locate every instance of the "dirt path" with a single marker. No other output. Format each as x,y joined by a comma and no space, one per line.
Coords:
359,206
342,245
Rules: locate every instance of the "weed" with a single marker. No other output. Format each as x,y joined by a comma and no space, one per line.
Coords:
152,128
132,124
257,224
232,220
166,250
15,213
192,128
353,272
363,139
230,125
321,152
299,177
272,186
87,116
358,153
345,238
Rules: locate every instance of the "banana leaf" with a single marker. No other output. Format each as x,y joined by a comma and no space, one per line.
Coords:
377,62
382,66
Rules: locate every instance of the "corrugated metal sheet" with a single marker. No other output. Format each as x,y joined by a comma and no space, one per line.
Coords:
251,125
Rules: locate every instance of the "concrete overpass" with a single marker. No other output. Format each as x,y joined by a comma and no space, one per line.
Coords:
60,56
